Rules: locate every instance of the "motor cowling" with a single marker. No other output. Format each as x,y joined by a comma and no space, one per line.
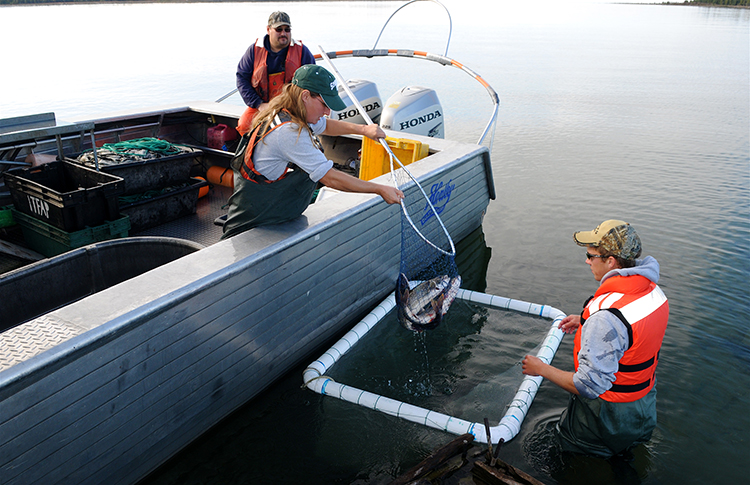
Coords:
368,96
414,109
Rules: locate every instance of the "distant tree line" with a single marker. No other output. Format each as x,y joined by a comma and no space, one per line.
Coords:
728,3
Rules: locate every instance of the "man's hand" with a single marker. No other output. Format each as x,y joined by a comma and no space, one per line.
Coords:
532,366
570,323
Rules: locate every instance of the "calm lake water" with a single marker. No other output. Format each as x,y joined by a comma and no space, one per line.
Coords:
633,112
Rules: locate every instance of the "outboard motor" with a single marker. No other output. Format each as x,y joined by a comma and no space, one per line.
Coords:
368,96
414,109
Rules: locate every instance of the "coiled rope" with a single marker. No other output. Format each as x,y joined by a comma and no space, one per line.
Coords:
141,147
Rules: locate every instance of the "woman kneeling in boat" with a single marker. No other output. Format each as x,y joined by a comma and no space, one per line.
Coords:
283,161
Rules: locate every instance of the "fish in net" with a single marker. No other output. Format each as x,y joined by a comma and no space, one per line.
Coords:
428,278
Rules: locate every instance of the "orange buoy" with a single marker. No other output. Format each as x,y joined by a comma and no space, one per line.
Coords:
203,191
221,176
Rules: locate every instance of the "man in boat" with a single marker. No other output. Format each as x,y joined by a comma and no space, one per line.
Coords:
268,65
612,406
280,162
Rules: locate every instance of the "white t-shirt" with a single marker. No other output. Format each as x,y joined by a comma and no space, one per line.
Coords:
286,144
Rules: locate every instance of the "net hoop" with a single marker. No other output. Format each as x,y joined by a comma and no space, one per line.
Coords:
383,142
429,202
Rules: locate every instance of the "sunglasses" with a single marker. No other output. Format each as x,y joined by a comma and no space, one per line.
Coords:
283,29
592,256
320,98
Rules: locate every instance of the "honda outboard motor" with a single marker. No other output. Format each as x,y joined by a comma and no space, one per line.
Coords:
368,96
414,109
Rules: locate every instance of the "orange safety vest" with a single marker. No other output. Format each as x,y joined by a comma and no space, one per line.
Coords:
247,169
644,309
269,86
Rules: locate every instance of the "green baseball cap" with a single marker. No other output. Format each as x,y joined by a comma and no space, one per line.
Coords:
614,237
318,80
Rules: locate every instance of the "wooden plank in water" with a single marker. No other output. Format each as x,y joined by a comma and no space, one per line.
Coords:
458,446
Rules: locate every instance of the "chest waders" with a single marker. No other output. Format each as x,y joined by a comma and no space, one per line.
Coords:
602,428
257,201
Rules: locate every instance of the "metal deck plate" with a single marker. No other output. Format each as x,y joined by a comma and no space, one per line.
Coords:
43,333
198,227
32,338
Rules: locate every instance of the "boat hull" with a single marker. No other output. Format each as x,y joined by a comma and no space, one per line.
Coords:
130,375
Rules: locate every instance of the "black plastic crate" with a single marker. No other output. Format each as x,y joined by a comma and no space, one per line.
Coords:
173,203
65,195
6,217
142,174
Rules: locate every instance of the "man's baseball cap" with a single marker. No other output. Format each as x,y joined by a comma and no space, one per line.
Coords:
614,237
278,18
318,80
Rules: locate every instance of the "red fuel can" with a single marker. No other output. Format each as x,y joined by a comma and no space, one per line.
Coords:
219,135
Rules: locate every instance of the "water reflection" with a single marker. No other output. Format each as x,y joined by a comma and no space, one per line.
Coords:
638,112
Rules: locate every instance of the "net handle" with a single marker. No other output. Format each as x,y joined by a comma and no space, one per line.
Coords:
393,157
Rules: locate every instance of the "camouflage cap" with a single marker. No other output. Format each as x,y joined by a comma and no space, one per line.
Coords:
278,18
617,238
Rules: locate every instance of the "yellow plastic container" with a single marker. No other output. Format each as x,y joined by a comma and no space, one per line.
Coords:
375,161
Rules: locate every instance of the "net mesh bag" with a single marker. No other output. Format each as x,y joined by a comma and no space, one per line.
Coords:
428,277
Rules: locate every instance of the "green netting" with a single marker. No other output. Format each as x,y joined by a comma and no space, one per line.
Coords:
130,151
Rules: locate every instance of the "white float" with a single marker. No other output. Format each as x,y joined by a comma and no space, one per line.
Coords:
509,425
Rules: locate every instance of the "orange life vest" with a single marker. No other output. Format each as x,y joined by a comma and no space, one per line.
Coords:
268,86
247,169
644,309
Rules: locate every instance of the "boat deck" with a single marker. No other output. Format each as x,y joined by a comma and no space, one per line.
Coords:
26,341
198,227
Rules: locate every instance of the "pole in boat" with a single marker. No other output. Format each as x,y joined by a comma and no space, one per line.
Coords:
383,142
353,98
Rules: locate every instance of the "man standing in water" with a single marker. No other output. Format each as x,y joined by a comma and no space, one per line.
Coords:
267,65
612,405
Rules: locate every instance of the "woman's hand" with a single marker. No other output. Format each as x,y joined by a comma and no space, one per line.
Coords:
338,128
338,180
391,195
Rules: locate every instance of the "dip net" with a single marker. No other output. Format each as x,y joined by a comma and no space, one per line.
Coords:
428,279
